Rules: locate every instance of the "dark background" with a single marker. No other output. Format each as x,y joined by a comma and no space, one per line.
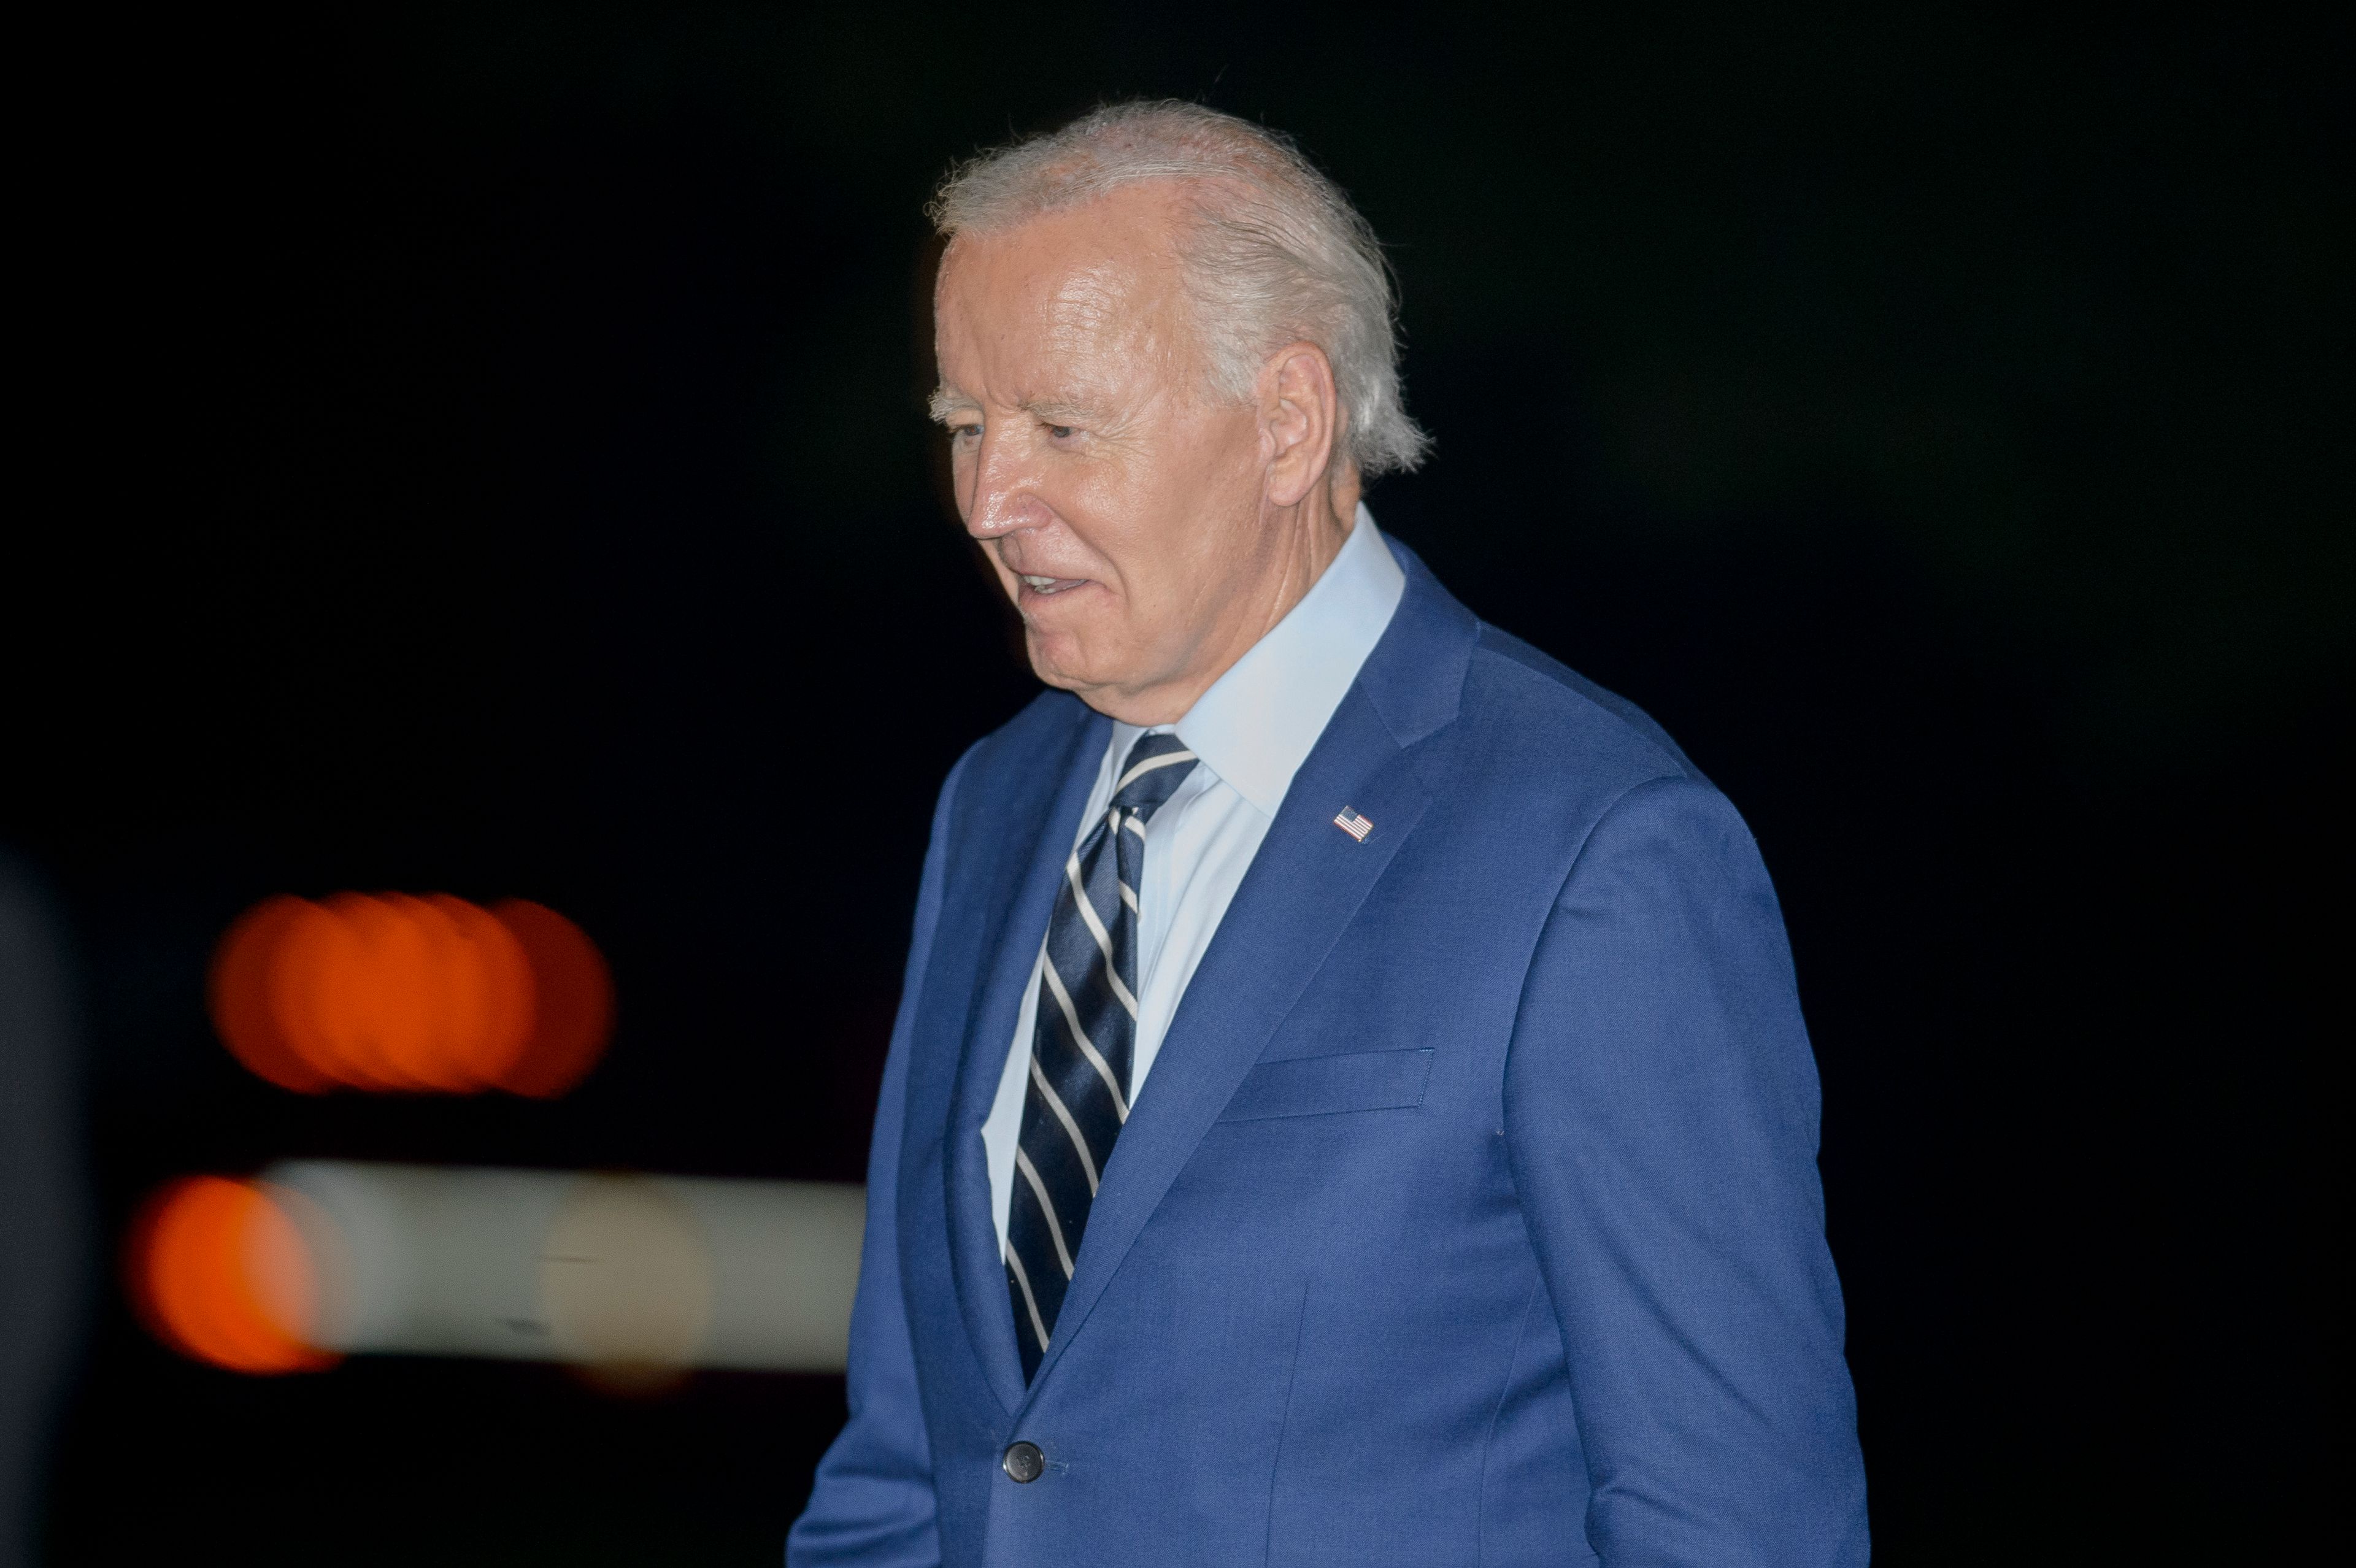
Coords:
484,452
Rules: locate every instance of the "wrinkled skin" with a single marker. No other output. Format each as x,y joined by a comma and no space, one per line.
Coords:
1147,531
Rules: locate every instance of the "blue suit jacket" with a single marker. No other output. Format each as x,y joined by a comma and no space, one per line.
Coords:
1470,1214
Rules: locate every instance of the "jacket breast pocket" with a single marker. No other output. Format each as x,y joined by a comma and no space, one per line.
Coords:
1328,1085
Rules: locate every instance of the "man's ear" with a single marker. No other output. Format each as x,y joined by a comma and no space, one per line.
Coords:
1299,415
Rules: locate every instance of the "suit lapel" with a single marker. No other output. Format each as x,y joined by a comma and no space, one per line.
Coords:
1304,887
1018,878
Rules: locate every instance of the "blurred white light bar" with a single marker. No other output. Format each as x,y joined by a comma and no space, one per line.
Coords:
653,1272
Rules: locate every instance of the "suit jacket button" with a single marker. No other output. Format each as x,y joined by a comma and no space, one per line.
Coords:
1024,1461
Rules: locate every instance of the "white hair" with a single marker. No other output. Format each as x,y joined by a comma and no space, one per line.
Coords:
1276,254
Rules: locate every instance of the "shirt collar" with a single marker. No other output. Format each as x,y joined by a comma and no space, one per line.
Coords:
1259,723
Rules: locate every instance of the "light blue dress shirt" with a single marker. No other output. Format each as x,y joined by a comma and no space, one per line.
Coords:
1251,731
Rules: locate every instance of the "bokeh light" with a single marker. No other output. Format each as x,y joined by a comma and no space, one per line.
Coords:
626,1281
573,1001
220,1273
399,994
632,1279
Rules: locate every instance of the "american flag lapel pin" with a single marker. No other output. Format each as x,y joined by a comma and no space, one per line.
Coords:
1351,823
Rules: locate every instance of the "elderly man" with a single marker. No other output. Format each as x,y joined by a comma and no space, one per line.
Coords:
1349,1103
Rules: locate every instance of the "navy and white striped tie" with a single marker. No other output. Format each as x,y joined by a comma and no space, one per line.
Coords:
1082,1044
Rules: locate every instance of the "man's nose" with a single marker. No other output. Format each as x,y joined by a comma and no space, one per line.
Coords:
1001,499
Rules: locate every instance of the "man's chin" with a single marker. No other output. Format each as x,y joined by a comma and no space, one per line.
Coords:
1057,657
1061,674
1097,688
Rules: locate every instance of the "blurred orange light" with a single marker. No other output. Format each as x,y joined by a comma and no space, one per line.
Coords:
494,996
242,1000
573,997
398,994
220,1273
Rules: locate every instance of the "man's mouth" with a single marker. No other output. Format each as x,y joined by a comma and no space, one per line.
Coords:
1048,584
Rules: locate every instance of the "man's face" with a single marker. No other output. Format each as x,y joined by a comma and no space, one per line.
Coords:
1121,504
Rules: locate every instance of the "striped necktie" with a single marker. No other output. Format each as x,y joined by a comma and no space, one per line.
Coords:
1082,1044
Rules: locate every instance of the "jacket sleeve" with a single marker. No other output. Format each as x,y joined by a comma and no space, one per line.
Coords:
871,1502
1661,1118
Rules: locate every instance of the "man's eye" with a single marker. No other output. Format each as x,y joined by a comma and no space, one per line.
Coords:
964,433
1060,431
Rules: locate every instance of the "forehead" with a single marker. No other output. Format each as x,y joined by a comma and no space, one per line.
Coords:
1087,293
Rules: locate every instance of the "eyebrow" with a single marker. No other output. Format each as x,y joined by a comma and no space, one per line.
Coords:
1050,411
946,401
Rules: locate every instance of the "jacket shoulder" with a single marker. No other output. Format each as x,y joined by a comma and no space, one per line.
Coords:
1523,698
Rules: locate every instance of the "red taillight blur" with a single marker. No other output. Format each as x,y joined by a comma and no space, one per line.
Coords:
398,994
219,1272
